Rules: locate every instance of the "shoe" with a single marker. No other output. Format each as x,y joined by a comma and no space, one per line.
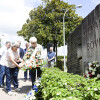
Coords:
10,93
30,79
17,90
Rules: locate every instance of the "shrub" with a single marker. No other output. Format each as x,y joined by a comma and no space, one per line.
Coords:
60,62
61,57
58,85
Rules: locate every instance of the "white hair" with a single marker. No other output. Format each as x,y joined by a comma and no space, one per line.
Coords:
14,44
33,39
26,43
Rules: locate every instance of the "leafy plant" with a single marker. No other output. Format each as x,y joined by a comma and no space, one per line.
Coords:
58,85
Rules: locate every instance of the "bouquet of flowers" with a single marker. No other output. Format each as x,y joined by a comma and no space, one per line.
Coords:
93,70
32,59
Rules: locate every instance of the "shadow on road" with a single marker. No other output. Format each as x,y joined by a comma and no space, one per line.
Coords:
25,89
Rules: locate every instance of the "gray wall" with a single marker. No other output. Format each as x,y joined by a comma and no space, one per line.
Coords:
84,43
74,51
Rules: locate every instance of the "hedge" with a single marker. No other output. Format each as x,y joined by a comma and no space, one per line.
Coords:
58,85
60,62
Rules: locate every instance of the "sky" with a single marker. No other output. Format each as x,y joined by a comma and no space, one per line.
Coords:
13,14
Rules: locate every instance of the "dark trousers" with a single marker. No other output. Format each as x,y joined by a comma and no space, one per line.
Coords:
11,73
2,74
33,74
25,74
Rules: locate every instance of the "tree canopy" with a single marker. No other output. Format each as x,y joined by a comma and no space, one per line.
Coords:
46,22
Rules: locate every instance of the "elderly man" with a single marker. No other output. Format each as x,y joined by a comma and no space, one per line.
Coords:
3,51
34,53
51,57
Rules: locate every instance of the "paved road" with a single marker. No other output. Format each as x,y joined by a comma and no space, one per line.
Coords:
24,86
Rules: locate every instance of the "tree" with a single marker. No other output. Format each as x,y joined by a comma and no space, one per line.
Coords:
46,22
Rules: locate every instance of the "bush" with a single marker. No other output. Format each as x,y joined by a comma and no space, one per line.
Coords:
61,57
60,62
58,85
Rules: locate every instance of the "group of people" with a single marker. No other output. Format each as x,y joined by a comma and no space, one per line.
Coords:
10,58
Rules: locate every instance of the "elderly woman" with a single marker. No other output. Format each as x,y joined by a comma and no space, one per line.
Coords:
11,70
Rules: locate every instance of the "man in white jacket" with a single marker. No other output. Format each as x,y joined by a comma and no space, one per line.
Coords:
35,50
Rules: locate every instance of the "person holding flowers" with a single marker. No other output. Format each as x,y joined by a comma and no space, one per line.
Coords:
33,59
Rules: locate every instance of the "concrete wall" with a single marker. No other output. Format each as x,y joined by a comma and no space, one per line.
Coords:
84,43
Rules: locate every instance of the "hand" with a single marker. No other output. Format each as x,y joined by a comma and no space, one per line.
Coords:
20,65
21,60
18,61
49,60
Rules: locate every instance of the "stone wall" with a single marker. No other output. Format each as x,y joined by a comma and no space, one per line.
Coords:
74,47
84,43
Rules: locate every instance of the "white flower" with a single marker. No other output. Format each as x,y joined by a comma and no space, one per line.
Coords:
27,97
95,89
37,84
94,69
93,73
64,99
31,64
27,61
33,97
98,75
59,93
97,65
72,89
87,75
65,83
33,92
90,68
95,62
44,92
88,88
70,97
89,64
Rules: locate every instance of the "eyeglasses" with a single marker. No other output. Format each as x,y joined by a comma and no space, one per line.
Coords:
33,42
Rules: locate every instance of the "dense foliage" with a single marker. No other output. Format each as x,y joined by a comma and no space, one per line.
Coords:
61,57
46,22
60,62
57,85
